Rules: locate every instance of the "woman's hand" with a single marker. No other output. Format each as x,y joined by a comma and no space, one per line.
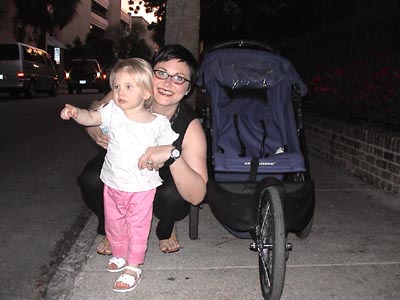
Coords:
155,157
98,136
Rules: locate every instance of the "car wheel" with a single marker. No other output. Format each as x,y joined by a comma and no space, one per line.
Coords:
54,90
78,90
70,90
30,92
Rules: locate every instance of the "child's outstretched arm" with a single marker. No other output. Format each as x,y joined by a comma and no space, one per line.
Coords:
81,116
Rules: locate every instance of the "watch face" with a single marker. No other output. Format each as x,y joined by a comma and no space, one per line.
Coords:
175,153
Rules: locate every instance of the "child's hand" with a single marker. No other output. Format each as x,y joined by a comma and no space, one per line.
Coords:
69,112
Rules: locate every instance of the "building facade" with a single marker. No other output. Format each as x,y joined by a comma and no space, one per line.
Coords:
91,16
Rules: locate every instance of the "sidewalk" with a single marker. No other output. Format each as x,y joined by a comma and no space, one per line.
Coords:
352,253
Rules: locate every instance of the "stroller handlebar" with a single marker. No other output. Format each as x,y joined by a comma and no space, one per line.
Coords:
247,44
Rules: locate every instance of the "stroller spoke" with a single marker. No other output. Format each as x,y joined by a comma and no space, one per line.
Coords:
266,271
266,215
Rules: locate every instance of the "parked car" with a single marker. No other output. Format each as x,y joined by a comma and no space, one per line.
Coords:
85,74
106,76
27,69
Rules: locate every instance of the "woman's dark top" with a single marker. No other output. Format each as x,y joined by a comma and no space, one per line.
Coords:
169,206
180,121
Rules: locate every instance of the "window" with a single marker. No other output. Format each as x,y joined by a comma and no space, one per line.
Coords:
38,57
28,53
9,52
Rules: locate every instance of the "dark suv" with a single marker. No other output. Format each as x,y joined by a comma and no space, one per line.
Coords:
85,74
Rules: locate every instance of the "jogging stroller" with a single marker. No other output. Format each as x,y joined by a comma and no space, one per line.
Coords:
260,185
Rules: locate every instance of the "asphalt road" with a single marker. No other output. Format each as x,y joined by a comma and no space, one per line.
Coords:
41,210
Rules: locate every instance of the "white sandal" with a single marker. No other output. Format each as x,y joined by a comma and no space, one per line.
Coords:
119,262
128,279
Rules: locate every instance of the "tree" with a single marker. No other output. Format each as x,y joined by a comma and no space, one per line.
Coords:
45,15
130,44
2,11
183,23
178,21
270,21
216,20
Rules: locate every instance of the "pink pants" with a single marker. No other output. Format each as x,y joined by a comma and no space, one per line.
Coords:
127,222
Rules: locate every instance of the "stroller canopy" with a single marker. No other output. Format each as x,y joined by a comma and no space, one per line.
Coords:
248,69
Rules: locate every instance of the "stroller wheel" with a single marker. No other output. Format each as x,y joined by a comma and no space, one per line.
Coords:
271,244
305,232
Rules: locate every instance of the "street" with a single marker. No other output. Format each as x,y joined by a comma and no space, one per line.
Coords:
41,210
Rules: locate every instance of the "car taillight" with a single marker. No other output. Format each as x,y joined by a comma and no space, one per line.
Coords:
20,74
98,74
67,76
104,76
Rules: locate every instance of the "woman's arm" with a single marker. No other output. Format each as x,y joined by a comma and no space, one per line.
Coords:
99,103
190,170
98,136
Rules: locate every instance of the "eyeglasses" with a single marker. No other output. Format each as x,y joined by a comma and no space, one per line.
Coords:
177,79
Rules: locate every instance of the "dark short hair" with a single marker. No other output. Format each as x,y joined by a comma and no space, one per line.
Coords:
180,53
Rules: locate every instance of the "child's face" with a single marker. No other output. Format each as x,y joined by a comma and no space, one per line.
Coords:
126,93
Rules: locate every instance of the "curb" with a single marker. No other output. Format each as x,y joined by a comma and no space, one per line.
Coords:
63,280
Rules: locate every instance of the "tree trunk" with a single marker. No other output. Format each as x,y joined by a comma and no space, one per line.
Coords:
42,39
182,24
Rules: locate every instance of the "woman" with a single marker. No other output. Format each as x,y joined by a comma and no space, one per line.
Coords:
182,165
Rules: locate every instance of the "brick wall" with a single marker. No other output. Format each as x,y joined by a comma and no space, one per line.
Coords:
373,154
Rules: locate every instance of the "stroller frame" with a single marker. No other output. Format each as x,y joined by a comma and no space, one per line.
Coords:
262,197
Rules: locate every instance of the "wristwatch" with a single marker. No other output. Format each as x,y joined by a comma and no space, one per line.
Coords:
175,154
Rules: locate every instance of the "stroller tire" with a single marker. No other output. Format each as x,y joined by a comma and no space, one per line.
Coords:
271,239
305,232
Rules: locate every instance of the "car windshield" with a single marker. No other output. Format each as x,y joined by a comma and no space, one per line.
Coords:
9,52
84,66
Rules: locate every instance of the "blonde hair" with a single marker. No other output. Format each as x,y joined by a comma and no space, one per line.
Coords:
140,70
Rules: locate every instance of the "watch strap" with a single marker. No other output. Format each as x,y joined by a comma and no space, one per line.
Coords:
171,159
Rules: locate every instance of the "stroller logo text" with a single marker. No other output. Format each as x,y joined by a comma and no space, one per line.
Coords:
248,163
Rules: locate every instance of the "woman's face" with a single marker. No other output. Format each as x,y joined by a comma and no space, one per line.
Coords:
167,92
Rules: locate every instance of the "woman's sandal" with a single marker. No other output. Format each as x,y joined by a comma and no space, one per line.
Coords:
118,262
104,248
130,280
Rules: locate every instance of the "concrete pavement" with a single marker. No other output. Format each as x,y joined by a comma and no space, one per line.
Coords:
352,253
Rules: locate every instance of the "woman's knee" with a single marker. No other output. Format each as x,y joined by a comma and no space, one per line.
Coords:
92,187
90,176
172,208
168,203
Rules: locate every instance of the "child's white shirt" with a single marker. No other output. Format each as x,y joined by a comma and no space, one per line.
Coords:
128,142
